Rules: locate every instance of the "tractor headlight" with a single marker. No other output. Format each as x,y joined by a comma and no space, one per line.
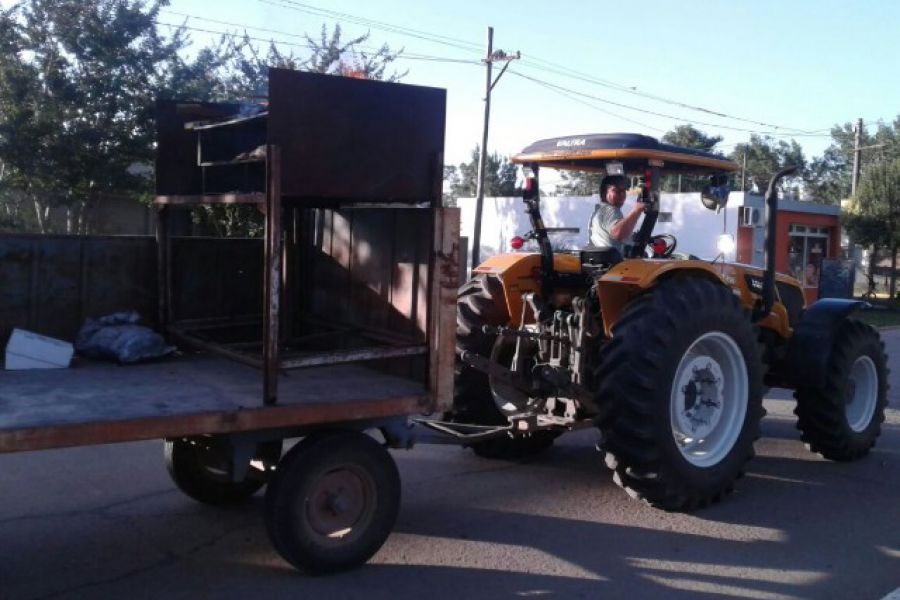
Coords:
725,243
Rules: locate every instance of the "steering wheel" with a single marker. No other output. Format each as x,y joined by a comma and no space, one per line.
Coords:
662,245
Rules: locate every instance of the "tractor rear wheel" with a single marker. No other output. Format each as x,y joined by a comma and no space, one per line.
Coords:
682,379
481,302
842,420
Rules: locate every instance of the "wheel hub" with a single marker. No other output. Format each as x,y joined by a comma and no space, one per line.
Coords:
702,389
337,503
708,400
861,396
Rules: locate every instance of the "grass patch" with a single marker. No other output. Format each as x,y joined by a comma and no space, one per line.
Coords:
884,317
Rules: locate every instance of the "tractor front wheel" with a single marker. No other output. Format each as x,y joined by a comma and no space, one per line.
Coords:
842,419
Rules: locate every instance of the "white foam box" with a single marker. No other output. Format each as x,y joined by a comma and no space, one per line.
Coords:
28,350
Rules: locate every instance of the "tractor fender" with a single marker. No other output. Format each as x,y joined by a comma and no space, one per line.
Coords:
809,348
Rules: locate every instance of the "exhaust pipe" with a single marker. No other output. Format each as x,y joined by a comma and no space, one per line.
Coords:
768,291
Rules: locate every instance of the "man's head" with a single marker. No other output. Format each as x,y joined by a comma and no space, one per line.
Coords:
612,190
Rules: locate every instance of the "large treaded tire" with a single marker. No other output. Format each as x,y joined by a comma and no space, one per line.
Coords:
332,502
635,378
481,302
200,468
822,414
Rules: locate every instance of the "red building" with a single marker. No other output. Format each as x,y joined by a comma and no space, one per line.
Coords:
807,232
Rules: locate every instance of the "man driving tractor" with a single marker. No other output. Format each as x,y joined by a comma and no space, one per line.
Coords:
609,227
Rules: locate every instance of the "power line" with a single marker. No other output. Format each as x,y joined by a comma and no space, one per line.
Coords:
346,17
594,106
532,62
659,114
565,92
566,72
401,56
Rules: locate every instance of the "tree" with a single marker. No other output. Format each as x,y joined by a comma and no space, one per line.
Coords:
237,68
76,96
499,178
332,55
764,158
73,121
828,176
78,79
451,181
873,218
688,136
579,183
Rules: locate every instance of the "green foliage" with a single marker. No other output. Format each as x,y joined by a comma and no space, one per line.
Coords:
578,183
688,136
237,69
828,176
499,178
765,157
78,80
330,54
76,86
873,217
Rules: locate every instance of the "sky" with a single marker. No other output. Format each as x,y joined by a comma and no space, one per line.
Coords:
771,66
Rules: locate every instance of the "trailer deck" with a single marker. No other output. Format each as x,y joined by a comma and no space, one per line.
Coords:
97,402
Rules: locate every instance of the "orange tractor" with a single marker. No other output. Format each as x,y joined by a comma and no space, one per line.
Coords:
668,357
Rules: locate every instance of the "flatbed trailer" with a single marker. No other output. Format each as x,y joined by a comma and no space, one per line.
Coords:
335,327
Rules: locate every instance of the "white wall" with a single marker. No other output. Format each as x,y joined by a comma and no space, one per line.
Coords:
695,227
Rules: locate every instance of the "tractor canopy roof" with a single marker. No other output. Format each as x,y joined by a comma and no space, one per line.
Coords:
618,153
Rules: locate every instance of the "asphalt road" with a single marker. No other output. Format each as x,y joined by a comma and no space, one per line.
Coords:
105,522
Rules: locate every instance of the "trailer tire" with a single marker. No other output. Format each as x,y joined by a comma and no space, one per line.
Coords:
842,420
200,467
481,302
677,355
332,502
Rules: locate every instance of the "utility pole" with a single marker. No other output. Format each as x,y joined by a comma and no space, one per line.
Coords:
489,59
744,174
854,178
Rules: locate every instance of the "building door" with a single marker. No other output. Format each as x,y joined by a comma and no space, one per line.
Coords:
808,246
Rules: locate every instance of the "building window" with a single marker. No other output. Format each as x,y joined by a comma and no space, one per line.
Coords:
808,246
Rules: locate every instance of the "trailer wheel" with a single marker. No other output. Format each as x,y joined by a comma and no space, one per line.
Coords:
842,420
481,302
332,502
682,381
201,467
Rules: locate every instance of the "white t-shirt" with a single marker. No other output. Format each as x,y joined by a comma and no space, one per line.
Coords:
604,217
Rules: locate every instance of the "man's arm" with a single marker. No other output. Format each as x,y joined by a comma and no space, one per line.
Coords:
623,228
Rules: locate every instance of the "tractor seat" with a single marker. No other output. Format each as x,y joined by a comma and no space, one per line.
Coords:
600,256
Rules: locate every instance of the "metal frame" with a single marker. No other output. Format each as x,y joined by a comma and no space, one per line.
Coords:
271,362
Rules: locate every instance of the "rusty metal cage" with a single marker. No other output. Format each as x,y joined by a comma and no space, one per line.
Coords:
348,174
